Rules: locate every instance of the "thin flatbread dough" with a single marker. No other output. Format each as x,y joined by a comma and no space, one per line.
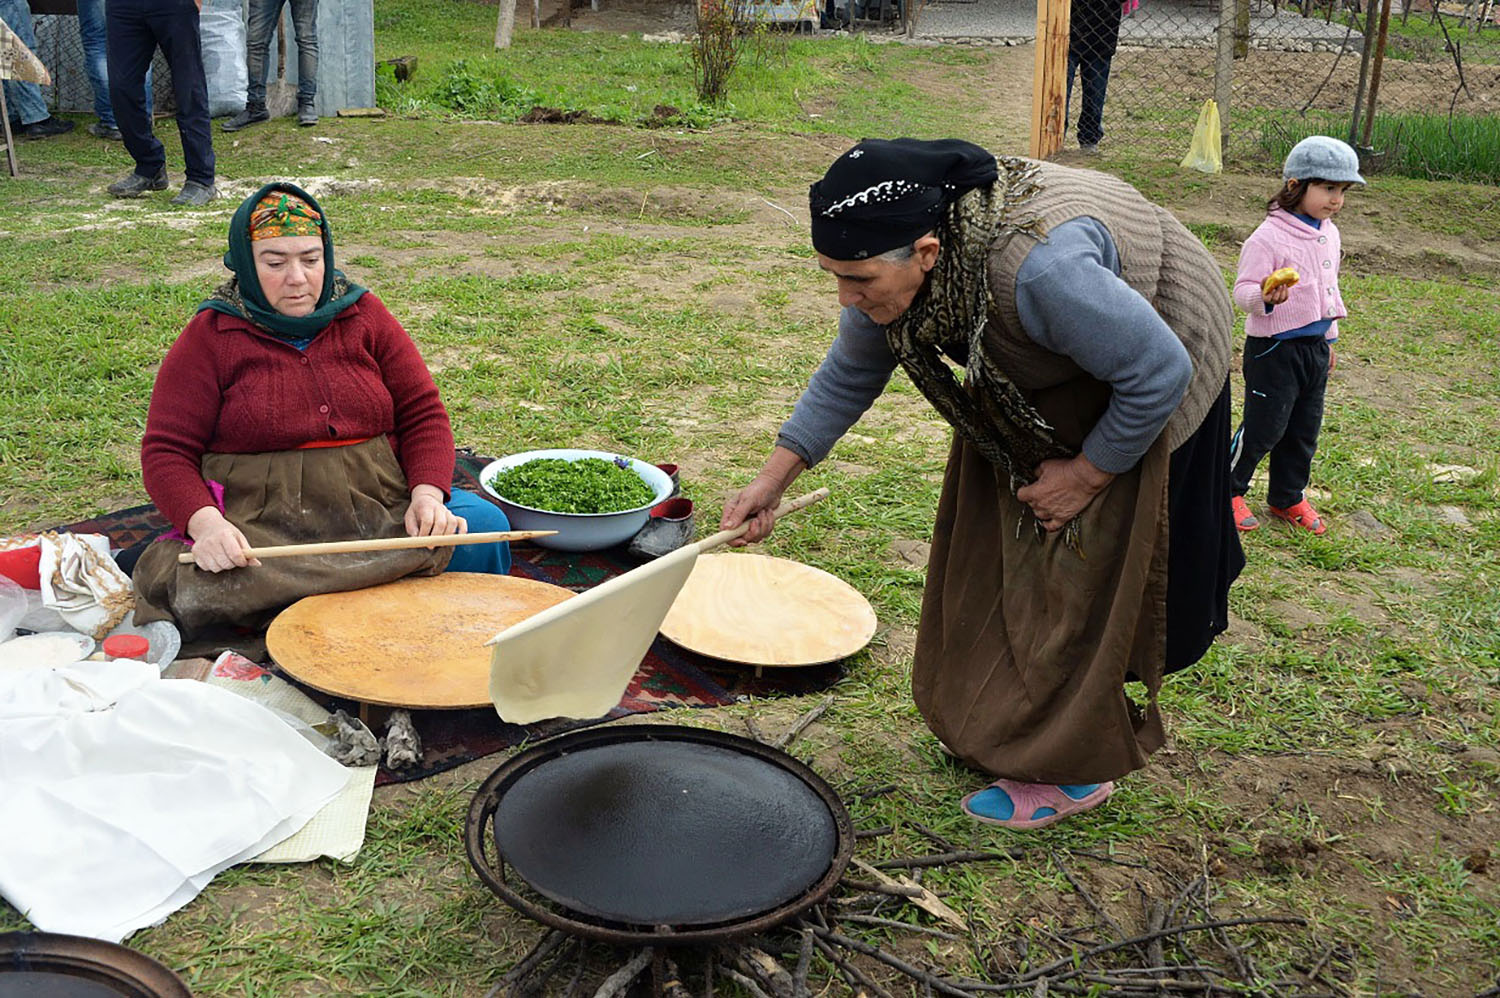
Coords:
576,659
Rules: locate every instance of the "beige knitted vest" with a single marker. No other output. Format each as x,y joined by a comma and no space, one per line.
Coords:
1159,258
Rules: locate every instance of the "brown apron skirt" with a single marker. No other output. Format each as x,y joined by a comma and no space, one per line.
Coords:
288,497
1024,644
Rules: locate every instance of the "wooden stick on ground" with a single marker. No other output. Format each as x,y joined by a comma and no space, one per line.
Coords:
791,733
925,899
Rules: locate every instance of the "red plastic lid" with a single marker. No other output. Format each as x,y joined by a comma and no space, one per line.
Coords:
126,646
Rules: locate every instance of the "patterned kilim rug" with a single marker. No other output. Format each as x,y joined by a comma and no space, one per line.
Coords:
668,677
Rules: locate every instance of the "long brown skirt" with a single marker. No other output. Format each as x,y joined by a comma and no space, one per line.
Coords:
288,497
1024,648
1024,644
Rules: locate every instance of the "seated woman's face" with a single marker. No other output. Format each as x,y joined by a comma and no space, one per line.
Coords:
290,269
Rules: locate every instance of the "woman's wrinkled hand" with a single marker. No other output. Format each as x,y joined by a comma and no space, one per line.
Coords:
754,503
1063,487
428,517
218,544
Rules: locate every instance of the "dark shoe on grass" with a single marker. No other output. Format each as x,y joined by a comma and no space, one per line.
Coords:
46,128
306,116
100,130
669,527
246,118
196,195
135,185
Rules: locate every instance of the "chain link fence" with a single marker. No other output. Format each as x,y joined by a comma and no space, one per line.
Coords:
1419,95
1279,69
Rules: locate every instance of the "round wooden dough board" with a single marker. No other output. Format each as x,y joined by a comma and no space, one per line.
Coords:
410,643
764,611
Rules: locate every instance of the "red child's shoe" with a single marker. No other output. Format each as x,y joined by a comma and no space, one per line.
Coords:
1243,518
1301,515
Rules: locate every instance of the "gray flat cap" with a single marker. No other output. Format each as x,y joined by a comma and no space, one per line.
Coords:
1322,158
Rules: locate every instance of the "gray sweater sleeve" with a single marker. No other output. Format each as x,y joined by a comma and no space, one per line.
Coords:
852,376
1068,293
1072,301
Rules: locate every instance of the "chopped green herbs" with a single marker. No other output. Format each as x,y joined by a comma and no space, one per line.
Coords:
587,485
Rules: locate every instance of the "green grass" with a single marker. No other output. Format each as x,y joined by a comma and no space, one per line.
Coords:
630,288
1423,146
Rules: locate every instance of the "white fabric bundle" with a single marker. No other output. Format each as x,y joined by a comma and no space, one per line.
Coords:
123,794
82,582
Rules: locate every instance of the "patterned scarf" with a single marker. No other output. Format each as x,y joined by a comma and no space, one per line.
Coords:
241,295
281,213
949,316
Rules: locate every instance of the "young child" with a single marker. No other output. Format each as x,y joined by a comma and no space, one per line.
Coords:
1290,327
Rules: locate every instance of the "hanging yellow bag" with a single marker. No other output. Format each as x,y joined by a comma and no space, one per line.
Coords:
1205,153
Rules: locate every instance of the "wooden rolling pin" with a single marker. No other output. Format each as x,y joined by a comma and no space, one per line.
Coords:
382,544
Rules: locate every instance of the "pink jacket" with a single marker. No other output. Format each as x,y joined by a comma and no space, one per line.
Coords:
1285,241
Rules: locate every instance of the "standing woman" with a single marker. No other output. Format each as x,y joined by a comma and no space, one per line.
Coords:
294,408
1082,537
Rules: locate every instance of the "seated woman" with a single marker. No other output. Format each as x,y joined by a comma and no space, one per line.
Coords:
294,408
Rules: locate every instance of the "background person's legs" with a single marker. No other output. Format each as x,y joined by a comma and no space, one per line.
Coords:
1093,72
1291,459
176,30
1270,392
305,24
262,21
93,36
131,44
23,100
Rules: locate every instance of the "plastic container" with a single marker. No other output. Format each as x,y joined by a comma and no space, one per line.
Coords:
127,646
163,638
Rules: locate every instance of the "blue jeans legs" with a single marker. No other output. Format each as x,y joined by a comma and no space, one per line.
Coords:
22,100
93,38
263,17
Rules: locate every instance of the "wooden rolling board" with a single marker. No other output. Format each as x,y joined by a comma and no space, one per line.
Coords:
764,611
411,643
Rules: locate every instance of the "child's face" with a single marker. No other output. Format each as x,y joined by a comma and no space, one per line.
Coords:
1323,199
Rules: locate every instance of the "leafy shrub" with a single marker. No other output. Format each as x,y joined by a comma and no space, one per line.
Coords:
716,47
470,92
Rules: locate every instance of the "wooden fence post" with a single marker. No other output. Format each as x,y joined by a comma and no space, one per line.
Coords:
1224,67
1049,81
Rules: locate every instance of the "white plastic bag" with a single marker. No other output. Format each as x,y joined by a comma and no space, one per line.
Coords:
221,29
12,607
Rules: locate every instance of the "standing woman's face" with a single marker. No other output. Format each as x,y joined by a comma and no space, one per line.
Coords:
290,269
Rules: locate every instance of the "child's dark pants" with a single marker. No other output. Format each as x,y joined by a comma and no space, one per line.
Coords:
1284,384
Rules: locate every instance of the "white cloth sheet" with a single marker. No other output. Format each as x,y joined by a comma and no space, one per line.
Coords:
123,794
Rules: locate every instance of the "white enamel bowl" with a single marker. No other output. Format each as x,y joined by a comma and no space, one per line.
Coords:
578,531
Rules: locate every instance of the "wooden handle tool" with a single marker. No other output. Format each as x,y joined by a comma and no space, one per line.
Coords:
383,544
790,506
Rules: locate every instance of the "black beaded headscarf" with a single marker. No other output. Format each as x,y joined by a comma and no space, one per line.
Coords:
887,193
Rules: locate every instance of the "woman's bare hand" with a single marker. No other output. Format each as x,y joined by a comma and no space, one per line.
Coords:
218,544
1063,487
755,503
428,517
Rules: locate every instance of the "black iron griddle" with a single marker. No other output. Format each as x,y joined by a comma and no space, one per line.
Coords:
54,965
639,832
